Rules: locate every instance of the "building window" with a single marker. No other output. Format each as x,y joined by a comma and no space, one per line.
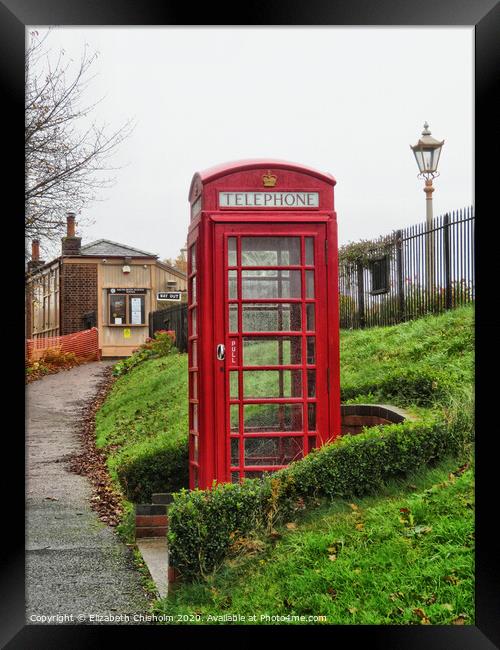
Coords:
379,269
126,309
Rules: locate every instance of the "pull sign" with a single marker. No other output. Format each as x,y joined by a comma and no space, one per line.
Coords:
233,352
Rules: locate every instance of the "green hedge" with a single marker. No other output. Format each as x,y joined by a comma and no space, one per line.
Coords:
422,385
203,523
159,465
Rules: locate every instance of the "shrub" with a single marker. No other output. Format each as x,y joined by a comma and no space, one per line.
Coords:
160,345
56,357
159,465
421,385
204,523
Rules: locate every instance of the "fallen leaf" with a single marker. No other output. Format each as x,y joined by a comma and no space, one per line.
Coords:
360,526
424,620
332,558
353,610
460,620
332,592
291,525
354,506
396,595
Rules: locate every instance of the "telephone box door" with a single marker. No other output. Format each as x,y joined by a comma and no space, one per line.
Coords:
271,348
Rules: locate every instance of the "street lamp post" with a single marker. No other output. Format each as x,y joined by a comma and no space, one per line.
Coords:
427,152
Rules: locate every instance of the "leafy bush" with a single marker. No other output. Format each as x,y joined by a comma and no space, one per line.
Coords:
160,345
159,465
204,523
56,357
421,385
143,428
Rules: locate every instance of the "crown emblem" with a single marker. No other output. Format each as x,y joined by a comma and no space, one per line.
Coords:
269,179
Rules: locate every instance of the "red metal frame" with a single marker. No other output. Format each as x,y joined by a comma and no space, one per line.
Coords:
209,232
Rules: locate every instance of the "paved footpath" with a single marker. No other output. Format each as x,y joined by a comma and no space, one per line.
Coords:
75,564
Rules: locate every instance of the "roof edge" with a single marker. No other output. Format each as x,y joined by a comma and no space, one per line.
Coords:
223,169
115,243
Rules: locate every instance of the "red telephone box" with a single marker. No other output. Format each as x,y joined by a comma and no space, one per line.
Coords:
263,322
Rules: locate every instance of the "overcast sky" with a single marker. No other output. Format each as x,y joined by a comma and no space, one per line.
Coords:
348,101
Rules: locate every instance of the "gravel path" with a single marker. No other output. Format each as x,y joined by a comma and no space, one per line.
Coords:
75,565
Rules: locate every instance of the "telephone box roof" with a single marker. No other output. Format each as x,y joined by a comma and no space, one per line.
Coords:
213,173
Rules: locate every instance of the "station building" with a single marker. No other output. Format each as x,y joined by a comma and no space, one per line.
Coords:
103,284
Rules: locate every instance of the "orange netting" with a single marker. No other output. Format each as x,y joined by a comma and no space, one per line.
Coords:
85,345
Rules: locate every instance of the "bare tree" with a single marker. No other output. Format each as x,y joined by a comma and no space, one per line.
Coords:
180,262
66,151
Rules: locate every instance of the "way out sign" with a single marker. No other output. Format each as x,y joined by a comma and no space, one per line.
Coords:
169,295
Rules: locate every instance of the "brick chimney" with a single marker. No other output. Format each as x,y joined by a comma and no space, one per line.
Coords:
35,260
71,245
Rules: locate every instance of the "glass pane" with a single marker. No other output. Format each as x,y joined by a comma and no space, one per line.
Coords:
309,251
272,383
235,477
311,415
194,411
311,350
193,258
194,353
272,351
254,474
136,310
312,443
273,451
195,448
193,322
272,417
311,383
193,289
234,412
233,385
232,284
231,251
117,313
270,284
272,317
194,470
310,317
194,385
270,251
233,318
309,284
235,452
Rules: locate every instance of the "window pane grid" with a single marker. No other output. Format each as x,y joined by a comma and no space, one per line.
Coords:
241,301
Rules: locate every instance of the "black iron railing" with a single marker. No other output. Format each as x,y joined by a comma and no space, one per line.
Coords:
393,283
171,318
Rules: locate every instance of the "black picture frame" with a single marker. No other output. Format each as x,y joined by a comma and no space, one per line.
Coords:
15,15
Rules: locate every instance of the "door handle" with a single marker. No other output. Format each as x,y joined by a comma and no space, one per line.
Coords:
221,352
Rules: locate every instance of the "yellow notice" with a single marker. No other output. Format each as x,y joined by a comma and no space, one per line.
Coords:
126,333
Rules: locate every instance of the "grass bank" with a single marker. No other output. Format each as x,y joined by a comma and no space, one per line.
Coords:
143,428
402,557
425,366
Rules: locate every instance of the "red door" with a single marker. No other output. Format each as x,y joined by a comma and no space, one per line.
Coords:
271,376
